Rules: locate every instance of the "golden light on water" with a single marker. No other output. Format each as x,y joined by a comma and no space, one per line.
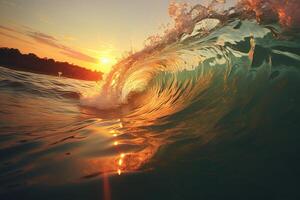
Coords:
120,162
119,172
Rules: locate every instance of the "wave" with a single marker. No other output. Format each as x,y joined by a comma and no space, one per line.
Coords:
28,83
213,73
187,60
212,68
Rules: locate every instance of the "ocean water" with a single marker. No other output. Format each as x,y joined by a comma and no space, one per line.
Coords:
214,115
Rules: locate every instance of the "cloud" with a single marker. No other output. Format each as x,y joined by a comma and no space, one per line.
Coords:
79,55
44,39
54,42
14,37
42,35
48,40
6,28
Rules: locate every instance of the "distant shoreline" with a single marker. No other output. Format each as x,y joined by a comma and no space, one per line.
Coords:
14,59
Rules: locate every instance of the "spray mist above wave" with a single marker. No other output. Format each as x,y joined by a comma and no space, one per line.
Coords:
156,72
286,12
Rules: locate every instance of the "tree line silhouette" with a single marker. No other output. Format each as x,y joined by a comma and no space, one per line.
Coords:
14,59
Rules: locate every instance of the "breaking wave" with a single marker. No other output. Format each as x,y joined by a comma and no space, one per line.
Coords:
205,49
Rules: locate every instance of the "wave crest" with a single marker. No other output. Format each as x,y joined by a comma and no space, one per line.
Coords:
204,45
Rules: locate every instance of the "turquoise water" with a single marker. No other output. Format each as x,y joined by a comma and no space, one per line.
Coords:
211,116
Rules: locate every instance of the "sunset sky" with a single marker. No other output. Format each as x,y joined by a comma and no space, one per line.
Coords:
89,33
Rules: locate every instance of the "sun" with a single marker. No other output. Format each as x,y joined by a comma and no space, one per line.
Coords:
105,60
106,63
